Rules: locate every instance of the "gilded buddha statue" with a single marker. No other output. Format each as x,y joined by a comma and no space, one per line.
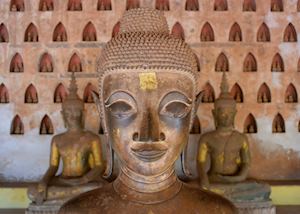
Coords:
148,87
80,154
224,156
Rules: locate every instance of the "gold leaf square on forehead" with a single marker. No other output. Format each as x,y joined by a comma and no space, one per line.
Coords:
148,81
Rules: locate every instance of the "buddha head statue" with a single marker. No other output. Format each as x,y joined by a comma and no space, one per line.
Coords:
148,90
224,107
73,107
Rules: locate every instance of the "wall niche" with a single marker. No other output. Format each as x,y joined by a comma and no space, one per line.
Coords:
222,63
46,5
178,31
277,63
16,64
60,34
17,5
198,62
89,33
60,93
74,5
17,127
87,94
237,93
31,95
249,5
4,97
46,63
31,34
220,5
291,94
209,94
264,94
3,33
263,33
207,33
75,64
162,5
235,34
131,4
116,30
276,5
250,64
192,5
104,5
196,127
46,127
250,126
290,34
278,124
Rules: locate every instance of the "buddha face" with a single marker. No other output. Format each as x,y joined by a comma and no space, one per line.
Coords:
73,117
147,117
224,116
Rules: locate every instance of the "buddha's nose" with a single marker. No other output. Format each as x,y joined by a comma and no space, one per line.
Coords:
149,129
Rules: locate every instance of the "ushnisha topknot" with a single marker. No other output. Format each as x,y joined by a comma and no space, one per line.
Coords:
225,98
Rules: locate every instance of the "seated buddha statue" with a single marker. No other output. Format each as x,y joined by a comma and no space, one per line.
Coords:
224,156
148,88
80,154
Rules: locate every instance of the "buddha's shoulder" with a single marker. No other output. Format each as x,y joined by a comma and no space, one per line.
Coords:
240,135
91,135
200,199
206,137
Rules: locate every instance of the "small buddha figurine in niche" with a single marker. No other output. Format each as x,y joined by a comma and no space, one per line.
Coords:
80,153
224,157
148,87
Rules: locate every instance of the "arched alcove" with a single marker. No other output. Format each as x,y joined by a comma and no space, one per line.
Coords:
235,34
4,37
222,63
264,94
196,127
209,94
198,63
74,5
101,130
178,31
116,30
263,33
104,5
298,6
278,125
192,5
276,5
17,5
31,95
46,63
46,5
237,93
60,33
16,64
249,5
291,95
250,126
75,64
277,63
89,32
31,34
131,4
4,97
46,126
87,94
162,5
290,34
60,93
250,64
207,33
17,126
220,5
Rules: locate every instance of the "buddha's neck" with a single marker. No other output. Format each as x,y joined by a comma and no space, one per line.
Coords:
147,189
224,129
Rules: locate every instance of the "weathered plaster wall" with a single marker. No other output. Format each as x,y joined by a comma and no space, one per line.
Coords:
275,156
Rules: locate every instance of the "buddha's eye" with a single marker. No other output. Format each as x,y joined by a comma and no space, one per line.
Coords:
176,109
121,109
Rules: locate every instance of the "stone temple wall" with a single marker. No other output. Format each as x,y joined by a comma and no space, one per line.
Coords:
255,41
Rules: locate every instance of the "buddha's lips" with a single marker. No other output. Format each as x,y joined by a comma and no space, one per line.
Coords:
149,151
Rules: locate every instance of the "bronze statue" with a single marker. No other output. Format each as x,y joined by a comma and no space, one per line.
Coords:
224,156
80,153
148,87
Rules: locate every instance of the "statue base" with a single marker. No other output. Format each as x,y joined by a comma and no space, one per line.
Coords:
48,207
255,207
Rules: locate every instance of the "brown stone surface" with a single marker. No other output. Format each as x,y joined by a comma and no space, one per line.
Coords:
275,155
